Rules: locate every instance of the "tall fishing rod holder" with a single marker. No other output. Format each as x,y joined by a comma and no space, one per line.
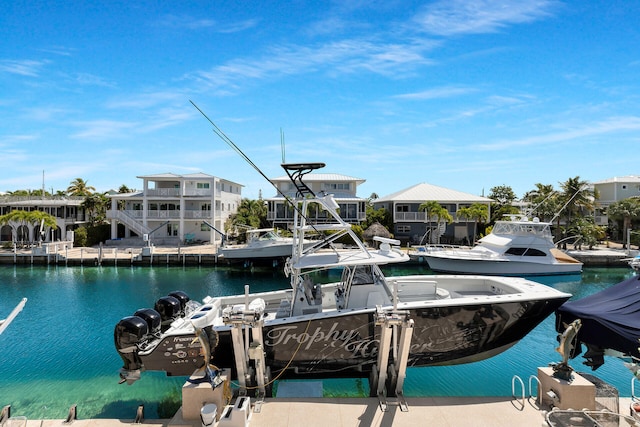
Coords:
390,377
247,321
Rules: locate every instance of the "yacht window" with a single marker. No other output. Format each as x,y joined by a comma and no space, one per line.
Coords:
525,252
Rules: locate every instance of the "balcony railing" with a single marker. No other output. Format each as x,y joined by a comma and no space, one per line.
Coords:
175,192
188,214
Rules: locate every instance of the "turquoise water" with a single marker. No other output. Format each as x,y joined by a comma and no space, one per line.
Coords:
59,351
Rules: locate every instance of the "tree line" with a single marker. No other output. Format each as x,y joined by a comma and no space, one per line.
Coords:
571,209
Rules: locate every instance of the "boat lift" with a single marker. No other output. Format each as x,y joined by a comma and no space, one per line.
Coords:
249,318
388,378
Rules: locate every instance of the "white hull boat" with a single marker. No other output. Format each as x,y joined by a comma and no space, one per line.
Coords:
365,325
262,244
514,248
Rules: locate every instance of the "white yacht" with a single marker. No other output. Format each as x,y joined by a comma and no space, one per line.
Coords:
515,247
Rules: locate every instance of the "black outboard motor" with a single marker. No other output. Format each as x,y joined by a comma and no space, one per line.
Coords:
183,298
169,309
129,332
153,320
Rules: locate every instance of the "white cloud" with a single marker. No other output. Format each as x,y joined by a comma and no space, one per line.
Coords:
24,67
451,17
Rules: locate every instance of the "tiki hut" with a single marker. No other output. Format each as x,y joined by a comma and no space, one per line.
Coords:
375,229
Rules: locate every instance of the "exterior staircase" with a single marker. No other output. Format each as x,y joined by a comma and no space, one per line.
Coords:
129,221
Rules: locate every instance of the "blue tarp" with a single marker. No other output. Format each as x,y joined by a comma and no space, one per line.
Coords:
610,318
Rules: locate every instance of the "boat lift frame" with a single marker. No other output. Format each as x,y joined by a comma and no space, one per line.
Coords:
390,377
243,318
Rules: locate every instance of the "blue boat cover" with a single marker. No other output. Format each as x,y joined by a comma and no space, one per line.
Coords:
610,318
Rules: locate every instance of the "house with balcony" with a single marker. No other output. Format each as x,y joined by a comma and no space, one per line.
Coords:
343,187
411,224
67,210
613,190
175,209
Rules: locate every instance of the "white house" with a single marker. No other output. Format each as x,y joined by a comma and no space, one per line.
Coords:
613,190
174,209
343,188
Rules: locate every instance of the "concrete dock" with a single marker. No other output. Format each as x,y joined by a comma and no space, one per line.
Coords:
360,412
348,412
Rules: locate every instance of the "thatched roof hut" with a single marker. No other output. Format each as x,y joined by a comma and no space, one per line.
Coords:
375,229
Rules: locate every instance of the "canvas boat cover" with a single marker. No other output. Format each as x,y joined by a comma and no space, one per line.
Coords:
610,319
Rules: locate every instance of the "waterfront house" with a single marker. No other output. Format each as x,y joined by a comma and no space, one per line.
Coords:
613,190
343,187
67,210
175,209
411,224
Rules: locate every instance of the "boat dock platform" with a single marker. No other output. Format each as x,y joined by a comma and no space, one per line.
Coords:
360,412
208,255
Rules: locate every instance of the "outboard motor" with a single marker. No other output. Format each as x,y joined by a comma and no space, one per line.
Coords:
129,332
183,298
169,309
153,320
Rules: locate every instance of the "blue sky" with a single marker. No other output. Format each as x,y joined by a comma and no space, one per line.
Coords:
465,94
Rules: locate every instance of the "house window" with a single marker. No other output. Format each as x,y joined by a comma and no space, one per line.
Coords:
336,186
402,208
405,229
202,185
204,227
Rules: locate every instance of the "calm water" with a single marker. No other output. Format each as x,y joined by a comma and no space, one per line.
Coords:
59,351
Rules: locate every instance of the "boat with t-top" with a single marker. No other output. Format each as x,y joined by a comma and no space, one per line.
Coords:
515,247
363,325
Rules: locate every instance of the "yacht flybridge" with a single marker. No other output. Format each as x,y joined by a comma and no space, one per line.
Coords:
365,325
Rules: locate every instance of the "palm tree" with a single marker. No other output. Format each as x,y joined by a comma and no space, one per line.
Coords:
544,200
251,213
95,205
18,219
78,187
477,212
627,210
576,197
433,208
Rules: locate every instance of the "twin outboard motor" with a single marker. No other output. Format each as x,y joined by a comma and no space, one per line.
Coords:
172,306
134,333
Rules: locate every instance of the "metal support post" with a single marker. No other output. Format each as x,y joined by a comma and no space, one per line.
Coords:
394,373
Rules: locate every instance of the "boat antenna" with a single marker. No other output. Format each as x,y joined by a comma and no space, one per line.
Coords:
229,142
282,145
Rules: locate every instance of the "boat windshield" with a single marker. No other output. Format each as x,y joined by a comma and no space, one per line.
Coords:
539,229
269,235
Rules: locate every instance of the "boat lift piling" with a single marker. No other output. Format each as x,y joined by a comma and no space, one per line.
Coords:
248,318
389,377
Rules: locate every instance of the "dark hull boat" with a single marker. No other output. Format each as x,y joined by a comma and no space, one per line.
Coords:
365,325
609,323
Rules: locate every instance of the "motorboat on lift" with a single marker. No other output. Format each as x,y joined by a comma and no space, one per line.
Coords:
342,329
515,247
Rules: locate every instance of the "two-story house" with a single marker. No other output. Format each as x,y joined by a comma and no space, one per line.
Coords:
613,190
343,188
173,209
411,224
